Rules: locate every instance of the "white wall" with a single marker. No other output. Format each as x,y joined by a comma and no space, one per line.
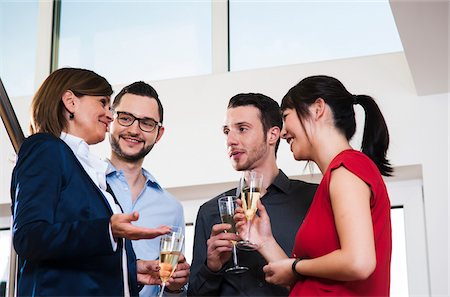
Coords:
192,151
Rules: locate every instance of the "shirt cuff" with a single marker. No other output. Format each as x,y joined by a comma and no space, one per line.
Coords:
113,242
209,274
181,292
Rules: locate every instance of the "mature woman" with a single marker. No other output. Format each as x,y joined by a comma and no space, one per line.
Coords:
68,231
343,247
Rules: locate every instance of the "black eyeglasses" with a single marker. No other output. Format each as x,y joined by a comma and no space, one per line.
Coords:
145,124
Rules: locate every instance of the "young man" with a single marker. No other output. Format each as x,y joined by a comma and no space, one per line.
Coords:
252,130
137,127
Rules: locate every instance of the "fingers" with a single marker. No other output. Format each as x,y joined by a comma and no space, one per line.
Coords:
262,211
181,259
128,217
180,277
121,226
149,233
268,273
182,270
134,216
161,230
146,279
147,266
219,228
217,244
148,272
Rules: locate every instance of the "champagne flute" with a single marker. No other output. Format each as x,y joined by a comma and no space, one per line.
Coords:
227,206
171,245
250,186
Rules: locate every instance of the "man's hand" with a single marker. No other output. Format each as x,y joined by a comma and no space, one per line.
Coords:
122,228
148,272
219,246
181,275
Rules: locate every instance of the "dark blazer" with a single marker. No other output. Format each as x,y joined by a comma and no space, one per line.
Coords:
61,226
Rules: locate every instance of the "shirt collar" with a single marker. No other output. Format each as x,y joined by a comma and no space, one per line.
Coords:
281,182
76,144
149,179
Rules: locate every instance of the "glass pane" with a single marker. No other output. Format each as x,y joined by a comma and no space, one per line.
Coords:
399,269
5,250
273,33
144,40
189,242
18,38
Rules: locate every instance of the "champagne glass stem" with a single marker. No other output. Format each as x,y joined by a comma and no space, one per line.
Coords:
162,289
235,261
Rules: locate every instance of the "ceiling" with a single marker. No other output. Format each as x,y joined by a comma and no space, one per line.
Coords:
423,26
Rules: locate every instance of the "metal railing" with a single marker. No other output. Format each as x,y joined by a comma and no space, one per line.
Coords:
17,137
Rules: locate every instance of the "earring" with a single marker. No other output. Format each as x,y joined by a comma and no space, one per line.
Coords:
71,116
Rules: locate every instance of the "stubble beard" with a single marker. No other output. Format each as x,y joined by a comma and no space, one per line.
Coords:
115,147
254,155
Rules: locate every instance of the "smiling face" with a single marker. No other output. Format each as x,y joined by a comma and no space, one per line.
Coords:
246,142
130,143
294,132
92,116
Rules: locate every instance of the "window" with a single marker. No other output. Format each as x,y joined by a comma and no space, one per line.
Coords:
18,35
142,40
5,249
399,269
271,33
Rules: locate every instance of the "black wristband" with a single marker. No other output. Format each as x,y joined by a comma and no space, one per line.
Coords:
296,273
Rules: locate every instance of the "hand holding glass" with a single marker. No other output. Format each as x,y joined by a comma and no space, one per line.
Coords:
171,245
250,187
227,206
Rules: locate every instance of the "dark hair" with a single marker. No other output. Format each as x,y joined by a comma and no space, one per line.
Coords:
140,88
269,110
376,136
47,108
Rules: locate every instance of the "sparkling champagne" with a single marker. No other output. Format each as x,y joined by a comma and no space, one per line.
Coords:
168,261
228,219
249,198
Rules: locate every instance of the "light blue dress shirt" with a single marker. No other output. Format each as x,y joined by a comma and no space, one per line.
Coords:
156,207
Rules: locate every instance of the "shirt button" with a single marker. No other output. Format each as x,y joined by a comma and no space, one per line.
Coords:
125,188
260,284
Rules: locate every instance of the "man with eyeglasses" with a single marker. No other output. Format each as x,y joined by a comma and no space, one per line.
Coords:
137,127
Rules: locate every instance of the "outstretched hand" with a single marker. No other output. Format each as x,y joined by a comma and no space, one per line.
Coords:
122,228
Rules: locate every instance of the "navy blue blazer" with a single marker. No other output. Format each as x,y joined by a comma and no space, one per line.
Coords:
61,226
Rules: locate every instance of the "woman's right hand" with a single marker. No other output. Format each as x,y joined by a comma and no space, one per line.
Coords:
260,230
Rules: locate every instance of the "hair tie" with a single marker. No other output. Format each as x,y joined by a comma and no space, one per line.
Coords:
355,99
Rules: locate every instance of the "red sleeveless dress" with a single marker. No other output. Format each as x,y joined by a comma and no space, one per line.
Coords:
317,235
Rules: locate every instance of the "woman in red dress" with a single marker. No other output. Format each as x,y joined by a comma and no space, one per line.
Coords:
343,247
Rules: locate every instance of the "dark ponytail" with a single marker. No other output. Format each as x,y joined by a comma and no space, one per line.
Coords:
375,138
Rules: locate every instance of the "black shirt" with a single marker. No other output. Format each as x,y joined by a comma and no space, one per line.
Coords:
286,202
